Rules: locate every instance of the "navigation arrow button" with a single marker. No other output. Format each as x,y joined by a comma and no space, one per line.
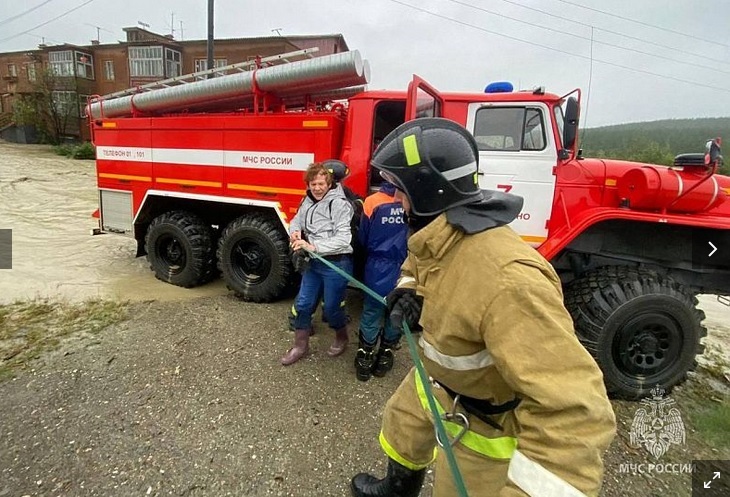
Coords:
714,249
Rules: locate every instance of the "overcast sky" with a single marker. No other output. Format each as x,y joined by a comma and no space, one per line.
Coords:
456,45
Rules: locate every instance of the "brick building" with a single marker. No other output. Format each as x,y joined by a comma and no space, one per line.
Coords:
145,57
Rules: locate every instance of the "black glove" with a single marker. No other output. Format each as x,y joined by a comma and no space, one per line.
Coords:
300,261
404,306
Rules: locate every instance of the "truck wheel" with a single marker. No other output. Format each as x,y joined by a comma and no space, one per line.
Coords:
643,329
253,256
180,249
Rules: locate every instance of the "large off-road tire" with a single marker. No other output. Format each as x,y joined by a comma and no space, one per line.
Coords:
642,328
253,257
179,249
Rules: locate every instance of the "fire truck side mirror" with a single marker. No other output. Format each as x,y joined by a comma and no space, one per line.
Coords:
712,151
570,128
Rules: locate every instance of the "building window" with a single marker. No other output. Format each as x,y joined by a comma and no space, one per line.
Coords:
30,71
109,70
84,65
173,63
65,103
12,70
61,63
83,101
202,64
146,62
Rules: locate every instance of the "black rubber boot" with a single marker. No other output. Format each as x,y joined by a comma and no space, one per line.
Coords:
364,360
384,359
399,482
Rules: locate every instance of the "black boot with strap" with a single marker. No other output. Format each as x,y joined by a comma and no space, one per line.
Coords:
398,482
384,359
364,359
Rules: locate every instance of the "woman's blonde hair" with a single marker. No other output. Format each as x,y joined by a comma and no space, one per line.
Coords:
314,170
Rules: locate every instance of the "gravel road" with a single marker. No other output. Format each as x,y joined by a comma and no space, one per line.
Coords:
190,399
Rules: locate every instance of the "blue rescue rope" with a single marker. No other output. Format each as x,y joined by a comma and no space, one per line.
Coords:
458,480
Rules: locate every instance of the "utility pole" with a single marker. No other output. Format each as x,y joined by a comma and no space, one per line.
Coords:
182,34
210,37
172,24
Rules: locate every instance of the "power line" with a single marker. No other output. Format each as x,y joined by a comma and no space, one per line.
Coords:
47,22
463,23
635,38
540,26
45,38
645,23
9,19
99,28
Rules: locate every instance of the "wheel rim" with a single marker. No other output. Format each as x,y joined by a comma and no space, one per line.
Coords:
647,345
172,253
250,262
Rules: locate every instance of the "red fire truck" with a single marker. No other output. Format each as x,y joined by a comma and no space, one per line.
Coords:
206,175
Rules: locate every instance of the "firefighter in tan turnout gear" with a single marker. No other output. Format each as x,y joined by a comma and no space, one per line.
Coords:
530,414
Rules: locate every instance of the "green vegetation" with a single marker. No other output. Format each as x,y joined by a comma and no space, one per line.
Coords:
80,151
655,142
710,412
712,422
28,329
52,107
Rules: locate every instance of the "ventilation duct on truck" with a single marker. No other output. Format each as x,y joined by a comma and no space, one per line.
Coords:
295,79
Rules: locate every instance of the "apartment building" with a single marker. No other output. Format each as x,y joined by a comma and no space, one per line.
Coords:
144,57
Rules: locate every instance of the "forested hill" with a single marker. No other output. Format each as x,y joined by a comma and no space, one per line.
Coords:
655,142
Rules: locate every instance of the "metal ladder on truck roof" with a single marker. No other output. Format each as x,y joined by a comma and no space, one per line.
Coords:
248,65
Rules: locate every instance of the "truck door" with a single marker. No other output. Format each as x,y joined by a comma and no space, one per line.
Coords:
517,154
423,100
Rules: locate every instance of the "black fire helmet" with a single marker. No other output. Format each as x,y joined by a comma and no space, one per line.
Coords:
435,161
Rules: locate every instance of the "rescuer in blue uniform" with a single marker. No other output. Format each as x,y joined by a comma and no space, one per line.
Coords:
383,234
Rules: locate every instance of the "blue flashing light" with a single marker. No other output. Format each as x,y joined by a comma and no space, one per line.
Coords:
499,87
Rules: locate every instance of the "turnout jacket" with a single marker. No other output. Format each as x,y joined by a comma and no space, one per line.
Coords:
495,328
325,223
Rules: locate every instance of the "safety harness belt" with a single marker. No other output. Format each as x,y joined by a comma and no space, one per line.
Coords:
482,408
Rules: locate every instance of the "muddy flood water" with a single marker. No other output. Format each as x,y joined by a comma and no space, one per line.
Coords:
47,201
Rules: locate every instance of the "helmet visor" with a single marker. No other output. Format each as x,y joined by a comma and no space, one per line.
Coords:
392,179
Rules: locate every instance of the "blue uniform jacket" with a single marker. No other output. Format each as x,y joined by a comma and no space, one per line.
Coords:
383,233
